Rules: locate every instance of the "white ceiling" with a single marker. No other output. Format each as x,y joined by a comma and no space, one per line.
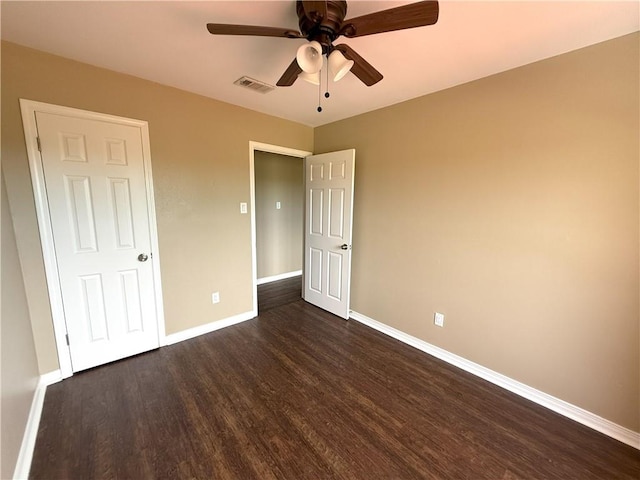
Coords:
167,42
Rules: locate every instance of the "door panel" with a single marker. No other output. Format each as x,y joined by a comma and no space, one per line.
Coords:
122,211
329,186
93,306
80,211
334,276
336,212
95,182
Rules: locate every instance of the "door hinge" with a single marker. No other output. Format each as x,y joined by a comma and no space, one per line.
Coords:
39,144
66,336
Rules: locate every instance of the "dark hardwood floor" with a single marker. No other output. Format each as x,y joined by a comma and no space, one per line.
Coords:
276,294
300,394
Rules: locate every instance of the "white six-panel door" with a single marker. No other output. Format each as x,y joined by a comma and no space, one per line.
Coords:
96,192
328,223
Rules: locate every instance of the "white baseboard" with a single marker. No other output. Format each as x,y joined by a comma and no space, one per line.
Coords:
275,278
207,328
23,464
566,409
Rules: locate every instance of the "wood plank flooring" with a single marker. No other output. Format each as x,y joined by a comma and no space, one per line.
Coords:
300,394
276,294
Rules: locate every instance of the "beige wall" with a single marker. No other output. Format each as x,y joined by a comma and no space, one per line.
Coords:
19,371
510,204
200,158
279,178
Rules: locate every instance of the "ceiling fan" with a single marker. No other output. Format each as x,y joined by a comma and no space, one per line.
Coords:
324,21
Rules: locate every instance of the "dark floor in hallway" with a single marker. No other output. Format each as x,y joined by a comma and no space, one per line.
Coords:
276,294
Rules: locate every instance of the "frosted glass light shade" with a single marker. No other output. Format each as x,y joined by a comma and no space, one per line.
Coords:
310,77
309,57
338,65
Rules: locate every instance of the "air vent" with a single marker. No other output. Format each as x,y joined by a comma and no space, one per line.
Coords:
255,85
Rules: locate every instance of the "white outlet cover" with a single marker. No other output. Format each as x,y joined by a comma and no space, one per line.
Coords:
438,319
215,297
243,207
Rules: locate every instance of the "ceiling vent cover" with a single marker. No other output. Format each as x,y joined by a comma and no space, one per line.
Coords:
255,85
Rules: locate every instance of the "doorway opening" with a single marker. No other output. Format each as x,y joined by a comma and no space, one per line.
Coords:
277,224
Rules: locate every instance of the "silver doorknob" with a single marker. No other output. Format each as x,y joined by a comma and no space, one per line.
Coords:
143,257
344,246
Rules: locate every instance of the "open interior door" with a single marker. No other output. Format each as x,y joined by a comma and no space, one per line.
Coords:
328,225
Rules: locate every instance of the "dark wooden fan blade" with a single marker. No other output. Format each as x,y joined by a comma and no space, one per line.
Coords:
315,10
406,16
224,29
290,75
361,68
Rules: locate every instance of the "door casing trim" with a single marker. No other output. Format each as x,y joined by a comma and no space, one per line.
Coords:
28,109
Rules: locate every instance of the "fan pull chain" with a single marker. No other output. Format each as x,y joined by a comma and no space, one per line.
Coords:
326,94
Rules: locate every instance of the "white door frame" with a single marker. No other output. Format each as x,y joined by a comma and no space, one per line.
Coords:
29,109
263,147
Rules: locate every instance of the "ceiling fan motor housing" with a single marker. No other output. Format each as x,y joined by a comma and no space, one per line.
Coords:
323,21
322,30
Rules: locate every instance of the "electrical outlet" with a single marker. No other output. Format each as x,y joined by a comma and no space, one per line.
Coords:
243,207
278,205
215,297
438,319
